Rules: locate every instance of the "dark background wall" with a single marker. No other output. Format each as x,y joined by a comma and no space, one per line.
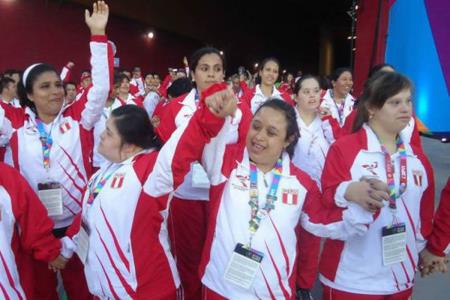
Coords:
247,31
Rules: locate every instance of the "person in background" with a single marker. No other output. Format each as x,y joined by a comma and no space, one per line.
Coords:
70,89
8,92
338,100
268,72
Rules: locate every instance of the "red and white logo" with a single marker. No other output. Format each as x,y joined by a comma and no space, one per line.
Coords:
65,127
117,181
371,167
290,196
243,182
417,175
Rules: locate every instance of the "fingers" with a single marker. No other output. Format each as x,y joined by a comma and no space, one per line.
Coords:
378,196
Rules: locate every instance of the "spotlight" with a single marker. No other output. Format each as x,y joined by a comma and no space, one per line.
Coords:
150,35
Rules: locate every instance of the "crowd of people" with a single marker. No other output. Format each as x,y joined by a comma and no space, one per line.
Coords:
202,186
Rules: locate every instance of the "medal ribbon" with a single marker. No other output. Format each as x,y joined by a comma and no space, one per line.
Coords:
390,173
339,107
257,214
46,141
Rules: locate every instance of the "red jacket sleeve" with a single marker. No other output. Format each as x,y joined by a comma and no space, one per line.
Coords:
165,84
439,241
349,121
35,226
415,137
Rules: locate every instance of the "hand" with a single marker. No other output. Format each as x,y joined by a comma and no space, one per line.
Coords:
70,65
155,121
324,111
223,103
366,195
58,263
430,263
99,18
185,62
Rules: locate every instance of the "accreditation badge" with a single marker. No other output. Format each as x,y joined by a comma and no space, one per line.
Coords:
394,244
50,194
243,266
83,242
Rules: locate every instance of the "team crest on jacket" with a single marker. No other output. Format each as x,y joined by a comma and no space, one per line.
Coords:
371,168
117,181
242,182
65,127
417,175
289,196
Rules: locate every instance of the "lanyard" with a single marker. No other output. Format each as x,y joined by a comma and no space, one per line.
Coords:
339,107
257,214
390,174
94,191
46,141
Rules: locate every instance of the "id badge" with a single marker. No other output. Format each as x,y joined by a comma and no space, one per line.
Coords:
199,176
83,242
243,266
50,194
394,244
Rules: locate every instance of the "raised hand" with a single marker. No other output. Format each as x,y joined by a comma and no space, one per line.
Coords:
58,263
222,103
98,19
185,61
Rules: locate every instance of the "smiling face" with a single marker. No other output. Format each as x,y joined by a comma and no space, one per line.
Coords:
344,84
47,94
308,97
395,114
208,71
266,137
269,73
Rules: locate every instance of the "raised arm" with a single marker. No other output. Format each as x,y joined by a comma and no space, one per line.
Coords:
204,134
102,67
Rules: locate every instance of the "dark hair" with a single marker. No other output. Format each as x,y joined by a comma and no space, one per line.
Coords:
266,60
134,126
378,68
4,82
291,120
324,82
119,77
11,72
377,89
338,72
198,54
298,84
179,87
23,89
262,65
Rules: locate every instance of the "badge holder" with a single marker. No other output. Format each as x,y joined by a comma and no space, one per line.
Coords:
243,266
394,243
83,242
50,193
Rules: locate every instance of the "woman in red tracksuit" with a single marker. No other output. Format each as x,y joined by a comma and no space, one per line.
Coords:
51,146
380,263
268,72
24,228
188,211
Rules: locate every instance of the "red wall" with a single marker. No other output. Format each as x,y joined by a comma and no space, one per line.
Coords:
370,42
55,32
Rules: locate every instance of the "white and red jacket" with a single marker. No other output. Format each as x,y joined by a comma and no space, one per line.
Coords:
313,143
24,229
151,101
255,98
129,255
139,84
439,242
98,159
355,264
328,102
220,145
177,114
71,131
